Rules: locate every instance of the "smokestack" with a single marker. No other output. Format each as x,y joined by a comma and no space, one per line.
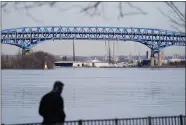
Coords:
113,50
105,51
73,52
109,52
147,55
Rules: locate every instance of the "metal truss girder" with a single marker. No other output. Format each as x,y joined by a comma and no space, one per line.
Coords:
31,36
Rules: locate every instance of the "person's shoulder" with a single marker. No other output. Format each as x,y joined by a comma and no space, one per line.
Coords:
46,95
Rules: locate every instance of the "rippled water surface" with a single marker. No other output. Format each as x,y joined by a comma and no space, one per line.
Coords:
94,93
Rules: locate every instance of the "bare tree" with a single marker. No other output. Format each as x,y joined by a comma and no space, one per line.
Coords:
97,9
89,8
178,18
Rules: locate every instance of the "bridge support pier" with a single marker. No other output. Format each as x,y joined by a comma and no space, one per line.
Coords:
152,58
159,58
26,52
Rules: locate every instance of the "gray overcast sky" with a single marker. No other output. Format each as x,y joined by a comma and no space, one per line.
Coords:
54,17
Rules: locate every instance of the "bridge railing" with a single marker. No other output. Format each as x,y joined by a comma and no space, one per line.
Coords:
165,120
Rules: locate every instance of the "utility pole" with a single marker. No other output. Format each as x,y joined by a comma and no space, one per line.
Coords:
73,51
109,52
113,50
105,51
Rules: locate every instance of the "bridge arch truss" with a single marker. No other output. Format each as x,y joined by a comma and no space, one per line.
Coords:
29,37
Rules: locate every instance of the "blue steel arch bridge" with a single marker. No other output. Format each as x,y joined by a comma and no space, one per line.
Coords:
28,37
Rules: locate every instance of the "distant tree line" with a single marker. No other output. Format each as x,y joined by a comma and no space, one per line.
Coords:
35,60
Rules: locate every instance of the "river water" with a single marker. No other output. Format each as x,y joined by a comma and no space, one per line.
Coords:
95,93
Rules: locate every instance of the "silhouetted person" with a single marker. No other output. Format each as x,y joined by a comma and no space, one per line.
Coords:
52,106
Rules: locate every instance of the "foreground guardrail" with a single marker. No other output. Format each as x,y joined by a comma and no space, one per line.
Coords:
164,120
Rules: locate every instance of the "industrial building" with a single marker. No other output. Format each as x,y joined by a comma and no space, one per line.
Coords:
80,64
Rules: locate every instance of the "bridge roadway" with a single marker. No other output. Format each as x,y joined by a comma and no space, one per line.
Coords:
156,39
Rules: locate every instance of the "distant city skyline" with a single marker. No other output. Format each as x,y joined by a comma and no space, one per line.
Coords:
53,16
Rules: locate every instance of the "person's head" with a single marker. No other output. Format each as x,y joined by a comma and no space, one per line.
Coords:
58,87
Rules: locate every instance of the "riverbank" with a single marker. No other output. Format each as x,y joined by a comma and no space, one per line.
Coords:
35,60
164,66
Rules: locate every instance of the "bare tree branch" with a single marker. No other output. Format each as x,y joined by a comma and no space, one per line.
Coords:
121,14
132,13
181,24
52,4
137,8
30,15
92,9
176,10
178,19
4,4
176,28
120,10
103,10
